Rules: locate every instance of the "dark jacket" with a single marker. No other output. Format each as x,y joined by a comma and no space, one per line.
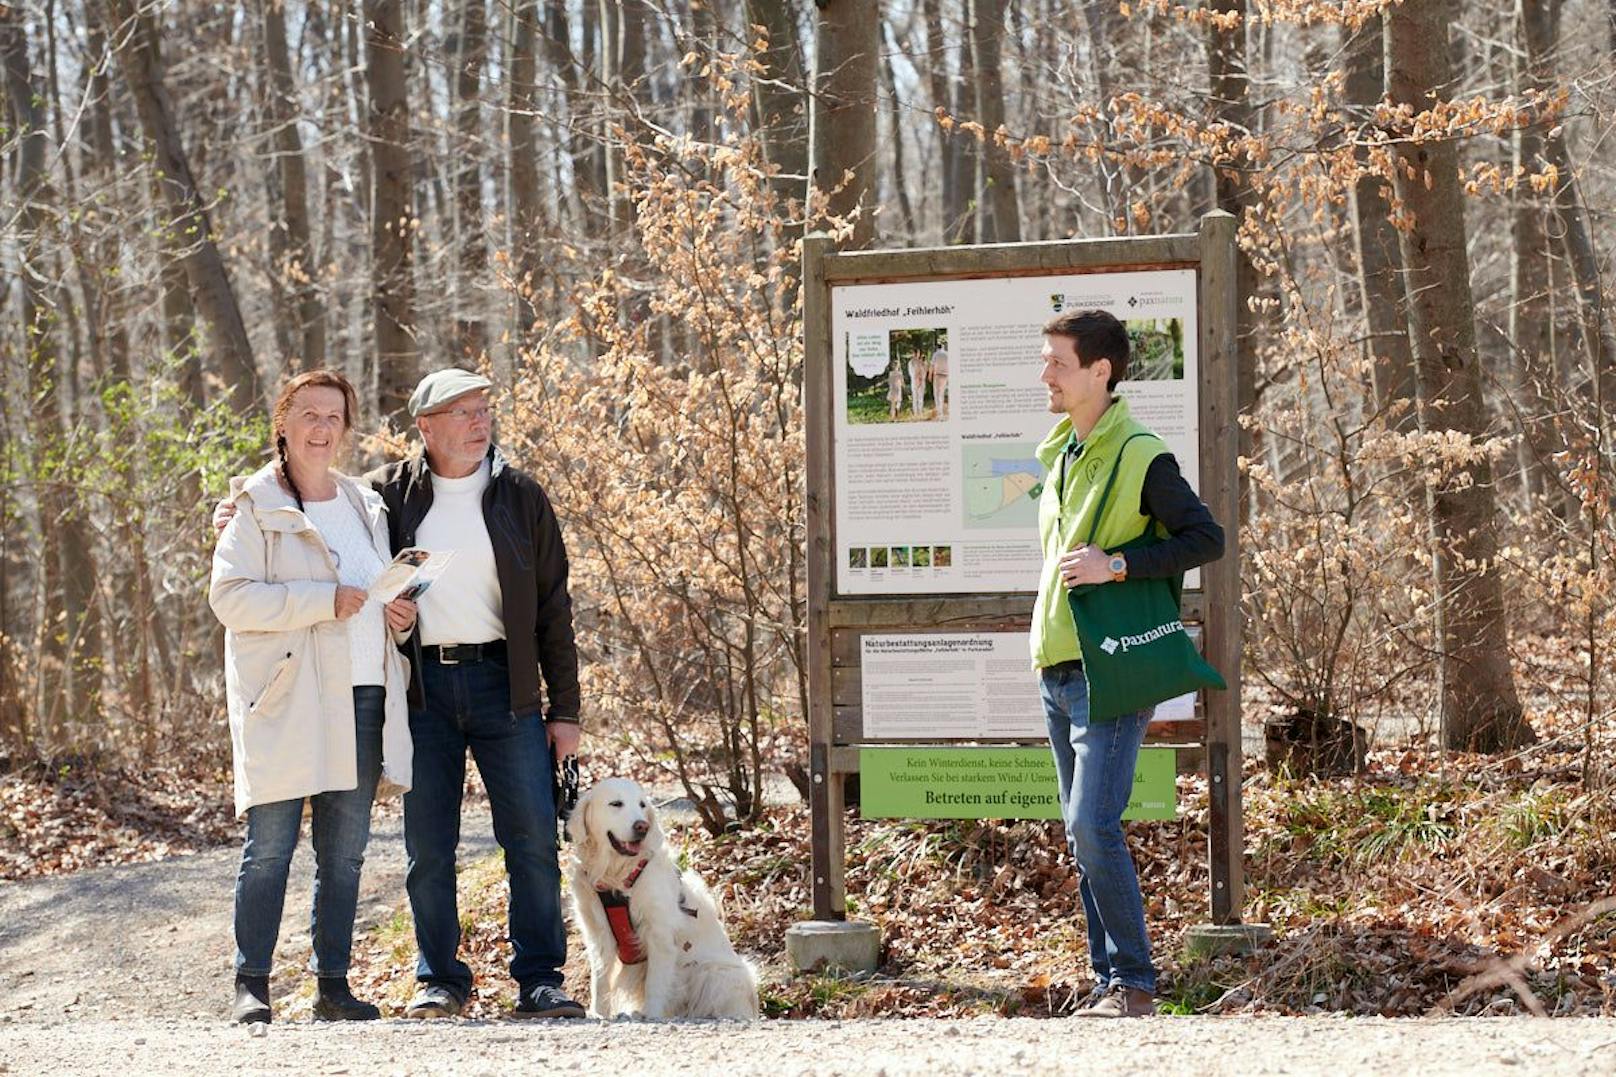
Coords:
531,561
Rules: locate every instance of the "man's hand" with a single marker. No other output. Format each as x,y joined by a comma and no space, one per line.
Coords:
400,614
348,601
1086,564
563,738
222,514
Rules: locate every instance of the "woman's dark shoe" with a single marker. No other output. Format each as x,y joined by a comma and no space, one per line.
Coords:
336,1003
252,1000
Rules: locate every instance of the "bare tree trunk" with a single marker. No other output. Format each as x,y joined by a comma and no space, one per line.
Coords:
1000,213
1540,30
193,232
778,93
1480,710
1028,33
622,36
15,735
105,311
82,620
1105,27
393,217
527,212
1380,266
841,120
592,65
967,155
1531,310
289,236
470,338
1230,100
38,339
583,194
900,181
949,144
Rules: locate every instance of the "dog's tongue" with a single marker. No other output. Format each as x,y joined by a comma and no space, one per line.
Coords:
631,847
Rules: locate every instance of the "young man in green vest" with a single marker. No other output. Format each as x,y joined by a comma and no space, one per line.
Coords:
1085,356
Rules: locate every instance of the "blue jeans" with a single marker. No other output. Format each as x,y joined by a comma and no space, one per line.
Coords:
468,705
341,830
1095,762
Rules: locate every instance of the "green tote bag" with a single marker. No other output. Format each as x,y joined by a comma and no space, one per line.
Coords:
1136,653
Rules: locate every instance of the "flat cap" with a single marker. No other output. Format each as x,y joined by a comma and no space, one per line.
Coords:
442,387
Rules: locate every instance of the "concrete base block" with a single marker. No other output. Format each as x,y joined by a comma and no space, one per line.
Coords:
1211,940
827,945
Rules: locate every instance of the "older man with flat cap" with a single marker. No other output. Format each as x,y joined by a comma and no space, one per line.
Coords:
497,619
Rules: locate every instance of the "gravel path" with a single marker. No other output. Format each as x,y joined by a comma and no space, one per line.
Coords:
1197,1045
154,940
127,969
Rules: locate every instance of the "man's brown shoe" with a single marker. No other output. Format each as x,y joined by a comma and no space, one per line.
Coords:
1095,994
1122,1002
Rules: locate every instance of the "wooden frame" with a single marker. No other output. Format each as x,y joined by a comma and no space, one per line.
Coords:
835,623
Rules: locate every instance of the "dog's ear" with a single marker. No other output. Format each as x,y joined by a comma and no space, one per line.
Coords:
584,815
577,819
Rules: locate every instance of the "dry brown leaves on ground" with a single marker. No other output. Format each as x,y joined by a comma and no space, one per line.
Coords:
69,817
1428,884
1467,885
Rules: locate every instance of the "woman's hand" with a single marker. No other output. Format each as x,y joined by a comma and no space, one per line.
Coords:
400,614
348,601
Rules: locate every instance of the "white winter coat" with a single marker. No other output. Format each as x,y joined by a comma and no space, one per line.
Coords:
287,676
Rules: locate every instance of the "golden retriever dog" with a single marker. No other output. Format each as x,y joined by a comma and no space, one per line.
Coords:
657,947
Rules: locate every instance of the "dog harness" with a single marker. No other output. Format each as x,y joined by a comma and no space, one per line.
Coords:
630,950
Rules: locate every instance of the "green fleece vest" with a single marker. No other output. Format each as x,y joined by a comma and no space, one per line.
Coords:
1066,512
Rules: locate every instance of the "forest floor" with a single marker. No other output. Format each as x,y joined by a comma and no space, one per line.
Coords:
1427,886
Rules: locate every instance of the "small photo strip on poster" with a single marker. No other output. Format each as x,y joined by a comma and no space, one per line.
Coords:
899,558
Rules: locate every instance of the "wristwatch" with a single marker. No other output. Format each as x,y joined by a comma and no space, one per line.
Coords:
1118,566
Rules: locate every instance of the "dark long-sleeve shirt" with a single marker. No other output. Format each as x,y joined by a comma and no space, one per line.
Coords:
1194,536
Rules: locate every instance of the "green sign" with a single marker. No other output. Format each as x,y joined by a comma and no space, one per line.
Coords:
991,783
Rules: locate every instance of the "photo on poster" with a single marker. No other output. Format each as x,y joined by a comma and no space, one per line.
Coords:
858,557
898,557
878,557
1156,349
922,557
1002,482
942,556
897,376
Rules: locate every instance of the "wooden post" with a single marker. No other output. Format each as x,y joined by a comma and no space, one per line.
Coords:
1220,489
825,794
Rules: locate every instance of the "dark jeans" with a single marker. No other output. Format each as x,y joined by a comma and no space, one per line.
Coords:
468,706
341,830
1095,763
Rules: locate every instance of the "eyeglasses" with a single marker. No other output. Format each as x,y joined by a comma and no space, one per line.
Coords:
465,415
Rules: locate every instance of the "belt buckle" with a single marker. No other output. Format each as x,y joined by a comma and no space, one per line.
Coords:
443,655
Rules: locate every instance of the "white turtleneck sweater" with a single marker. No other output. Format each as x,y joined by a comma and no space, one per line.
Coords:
465,604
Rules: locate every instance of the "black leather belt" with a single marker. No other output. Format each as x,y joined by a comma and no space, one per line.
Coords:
455,654
1071,665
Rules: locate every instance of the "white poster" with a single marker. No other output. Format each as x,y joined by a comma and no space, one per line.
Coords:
950,686
939,408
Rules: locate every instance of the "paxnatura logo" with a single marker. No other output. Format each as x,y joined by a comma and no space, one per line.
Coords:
1127,643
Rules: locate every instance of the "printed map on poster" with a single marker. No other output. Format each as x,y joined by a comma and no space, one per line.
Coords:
939,408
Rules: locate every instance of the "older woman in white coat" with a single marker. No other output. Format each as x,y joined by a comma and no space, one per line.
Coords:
316,688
